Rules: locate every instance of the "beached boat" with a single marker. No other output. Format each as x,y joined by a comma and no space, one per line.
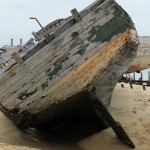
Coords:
85,54
142,60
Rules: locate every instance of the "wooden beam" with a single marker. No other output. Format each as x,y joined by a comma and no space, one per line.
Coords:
17,58
75,14
116,126
130,81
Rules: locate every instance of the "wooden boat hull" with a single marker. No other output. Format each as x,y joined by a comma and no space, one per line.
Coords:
142,61
54,82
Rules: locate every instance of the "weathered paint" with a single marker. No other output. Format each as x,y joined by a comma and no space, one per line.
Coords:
12,71
78,79
26,72
114,27
51,72
82,47
24,95
69,21
44,85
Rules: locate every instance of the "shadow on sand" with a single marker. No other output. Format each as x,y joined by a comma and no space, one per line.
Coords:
64,135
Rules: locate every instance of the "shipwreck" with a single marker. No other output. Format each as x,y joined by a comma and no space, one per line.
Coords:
73,68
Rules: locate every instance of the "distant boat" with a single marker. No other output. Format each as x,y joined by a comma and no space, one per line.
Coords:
142,61
6,59
87,52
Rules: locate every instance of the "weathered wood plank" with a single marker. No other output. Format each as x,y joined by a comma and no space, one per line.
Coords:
39,84
76,80
26,66
71,21
71,59
118,45
92,53
64,73
61,53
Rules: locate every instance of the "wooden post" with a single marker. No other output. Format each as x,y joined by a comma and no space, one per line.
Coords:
144,88
127,78
47,36
148,83
118,129
134,77
148,75
17,58
75,14
130,81
11,43
141,78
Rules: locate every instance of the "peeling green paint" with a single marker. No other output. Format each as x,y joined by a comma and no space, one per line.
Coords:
82,48
24,95
44,85
81,51
119,24
51,72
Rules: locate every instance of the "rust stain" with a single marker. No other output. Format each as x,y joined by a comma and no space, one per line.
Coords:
11,70
51,59
93,20
135,68
99,61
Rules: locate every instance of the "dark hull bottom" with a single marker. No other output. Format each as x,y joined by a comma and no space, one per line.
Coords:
92,118
78,124
75,109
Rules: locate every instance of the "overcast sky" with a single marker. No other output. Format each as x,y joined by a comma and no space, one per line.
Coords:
15,14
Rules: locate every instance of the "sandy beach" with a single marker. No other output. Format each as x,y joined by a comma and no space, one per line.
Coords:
130,107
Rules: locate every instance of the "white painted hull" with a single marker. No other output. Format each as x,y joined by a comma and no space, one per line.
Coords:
142,61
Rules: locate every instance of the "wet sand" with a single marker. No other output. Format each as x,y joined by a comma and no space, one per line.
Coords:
131,107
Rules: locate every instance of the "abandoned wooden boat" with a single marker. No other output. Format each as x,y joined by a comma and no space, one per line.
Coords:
142,61
86,54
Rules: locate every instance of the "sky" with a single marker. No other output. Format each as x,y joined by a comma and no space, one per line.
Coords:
15,14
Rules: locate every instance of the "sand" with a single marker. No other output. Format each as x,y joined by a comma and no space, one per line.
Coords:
11,147
131,107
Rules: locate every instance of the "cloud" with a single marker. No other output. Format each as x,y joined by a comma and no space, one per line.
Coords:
15,22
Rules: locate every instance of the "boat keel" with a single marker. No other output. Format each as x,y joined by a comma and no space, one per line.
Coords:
116,126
